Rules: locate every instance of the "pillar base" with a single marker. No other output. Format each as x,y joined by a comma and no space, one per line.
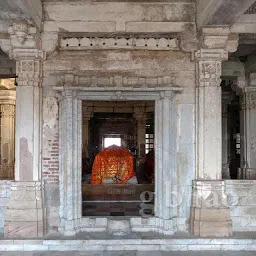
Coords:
210,214
24,215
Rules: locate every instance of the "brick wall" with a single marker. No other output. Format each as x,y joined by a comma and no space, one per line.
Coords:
50,151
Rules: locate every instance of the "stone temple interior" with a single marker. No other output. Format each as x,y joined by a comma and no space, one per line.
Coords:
127,125
130,125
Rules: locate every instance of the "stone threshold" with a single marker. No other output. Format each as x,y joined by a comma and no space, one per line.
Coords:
121,244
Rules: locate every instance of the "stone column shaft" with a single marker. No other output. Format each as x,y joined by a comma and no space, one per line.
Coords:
165,160
248,132
70,159
209,203
209,120
7,140
27,124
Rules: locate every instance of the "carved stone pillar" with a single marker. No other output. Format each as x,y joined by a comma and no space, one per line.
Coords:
25,213
210,215
70,158
7,115
140,116
248,129
226,99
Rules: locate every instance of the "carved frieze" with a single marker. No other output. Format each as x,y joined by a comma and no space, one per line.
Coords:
116,81
209,73
29,72
122,42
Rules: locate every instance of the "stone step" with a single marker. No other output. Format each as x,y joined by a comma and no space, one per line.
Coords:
119,244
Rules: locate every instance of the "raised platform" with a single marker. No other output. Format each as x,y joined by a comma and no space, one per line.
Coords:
114,199
145,242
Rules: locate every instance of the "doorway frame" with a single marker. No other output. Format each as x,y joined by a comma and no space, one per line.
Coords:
70,130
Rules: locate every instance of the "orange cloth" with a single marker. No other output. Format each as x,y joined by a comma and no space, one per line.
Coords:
115,163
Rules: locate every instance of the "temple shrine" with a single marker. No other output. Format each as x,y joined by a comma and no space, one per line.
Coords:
127,125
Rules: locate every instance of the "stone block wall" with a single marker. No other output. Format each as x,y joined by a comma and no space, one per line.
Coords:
242,202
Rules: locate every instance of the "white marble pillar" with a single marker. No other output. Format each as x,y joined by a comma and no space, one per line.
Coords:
7,113
248,130
226,99
165,158
26,191
28,103
209,203
140,116
70,159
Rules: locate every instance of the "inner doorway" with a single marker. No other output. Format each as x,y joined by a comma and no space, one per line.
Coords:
118,158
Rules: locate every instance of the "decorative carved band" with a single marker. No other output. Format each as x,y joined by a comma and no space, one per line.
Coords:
28,72
209,73
117,81
211,54
129,42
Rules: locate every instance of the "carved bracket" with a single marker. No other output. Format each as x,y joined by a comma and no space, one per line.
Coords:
23,42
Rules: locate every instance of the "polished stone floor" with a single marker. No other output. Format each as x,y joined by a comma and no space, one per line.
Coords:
131,253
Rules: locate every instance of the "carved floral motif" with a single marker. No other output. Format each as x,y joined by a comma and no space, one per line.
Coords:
209,73
28,72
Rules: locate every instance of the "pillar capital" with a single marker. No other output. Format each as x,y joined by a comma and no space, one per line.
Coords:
24,45
218,37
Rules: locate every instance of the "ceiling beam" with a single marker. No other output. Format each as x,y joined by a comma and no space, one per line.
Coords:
220,12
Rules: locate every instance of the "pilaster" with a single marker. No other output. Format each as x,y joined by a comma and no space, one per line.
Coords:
70,159
207,218
165,157
24,47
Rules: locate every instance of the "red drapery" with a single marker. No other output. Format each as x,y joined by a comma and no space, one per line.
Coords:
115,163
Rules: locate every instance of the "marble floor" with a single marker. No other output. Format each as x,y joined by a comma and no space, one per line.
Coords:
131,253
